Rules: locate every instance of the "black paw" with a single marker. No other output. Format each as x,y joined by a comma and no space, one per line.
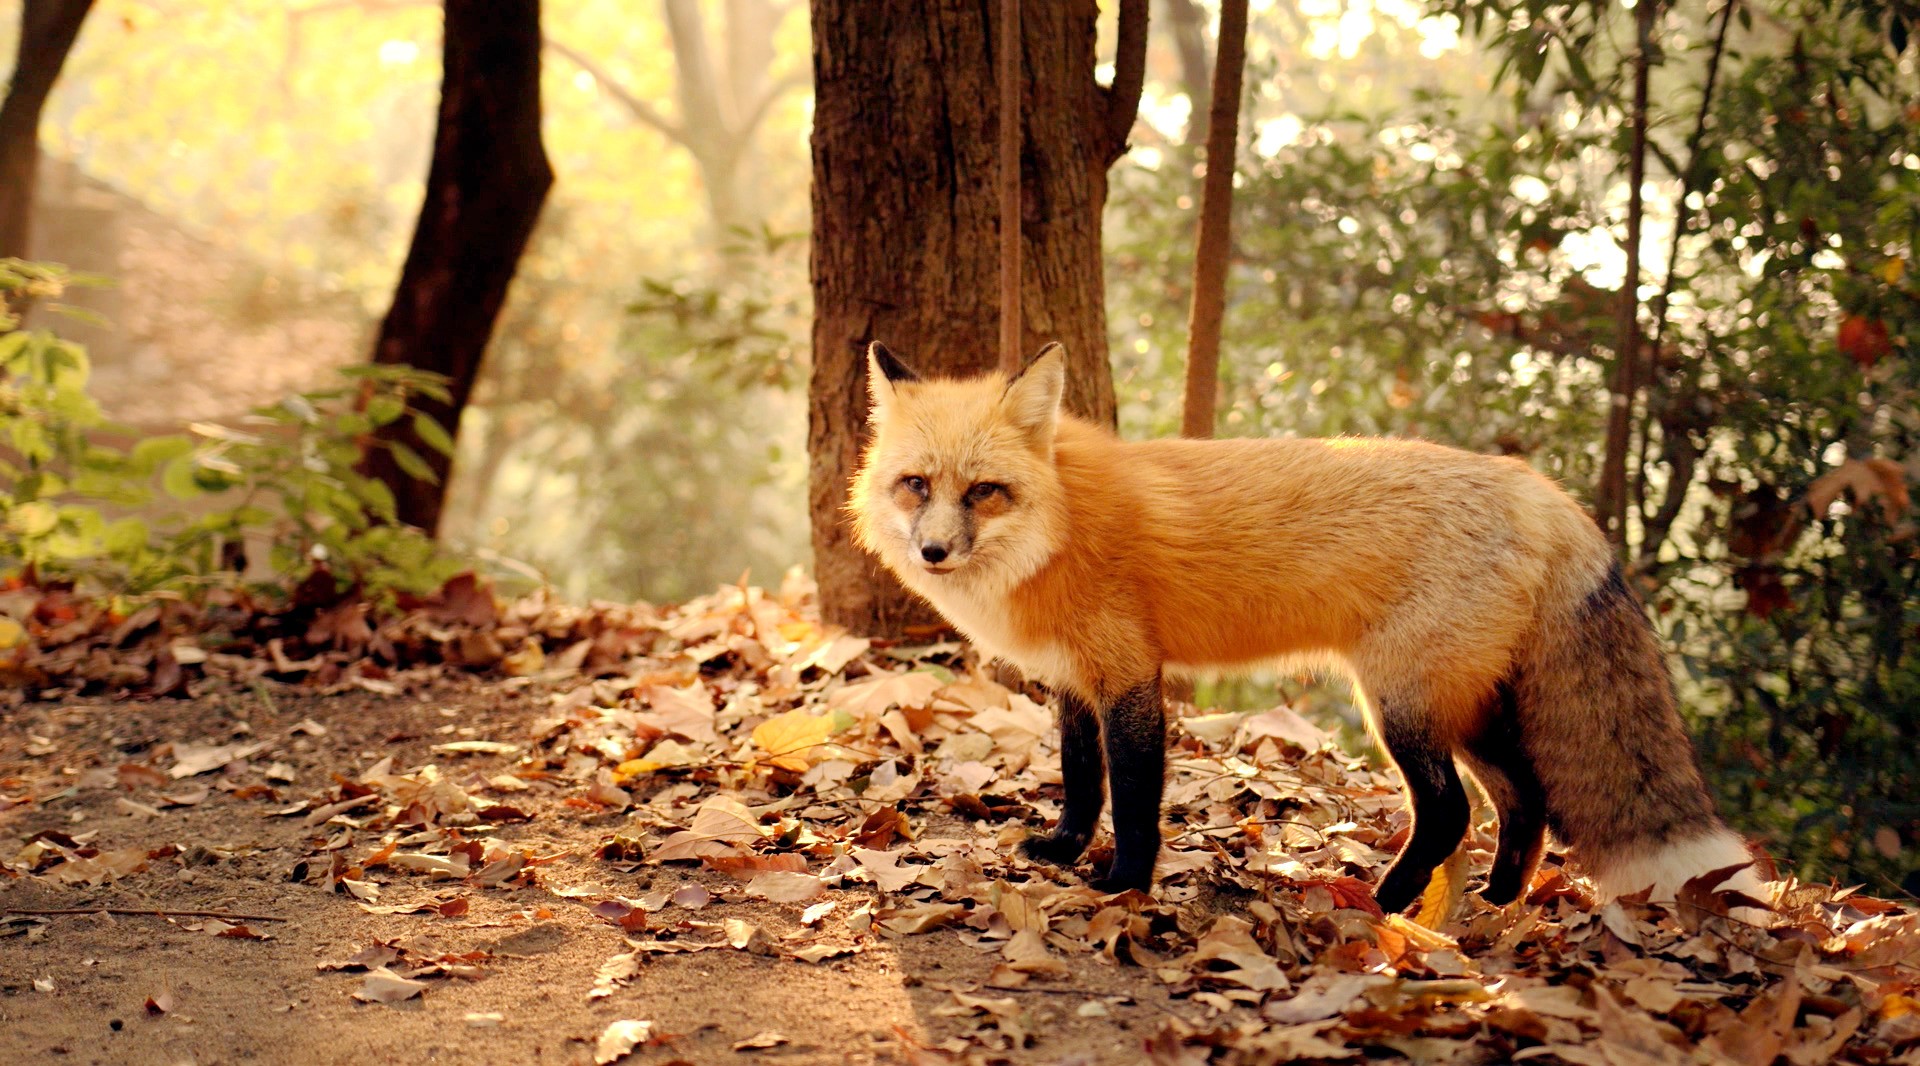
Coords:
1501,889
1056,848
1397,891
1116,881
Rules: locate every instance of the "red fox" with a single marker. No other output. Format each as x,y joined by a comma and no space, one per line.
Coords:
1476,607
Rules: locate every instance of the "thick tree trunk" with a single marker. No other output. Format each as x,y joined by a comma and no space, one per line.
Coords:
905,229
484,190
47,32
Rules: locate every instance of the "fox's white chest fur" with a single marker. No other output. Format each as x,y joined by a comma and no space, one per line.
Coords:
986,620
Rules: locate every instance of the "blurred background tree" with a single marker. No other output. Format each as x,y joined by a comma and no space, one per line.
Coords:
1431,217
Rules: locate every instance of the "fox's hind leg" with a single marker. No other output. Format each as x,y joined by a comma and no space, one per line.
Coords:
1506,776
1440,809
1083,775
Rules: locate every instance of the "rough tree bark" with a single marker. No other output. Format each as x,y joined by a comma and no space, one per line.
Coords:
1213,250
47,32
485,186
905,226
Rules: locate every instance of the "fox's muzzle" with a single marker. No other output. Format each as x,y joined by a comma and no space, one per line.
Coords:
942,535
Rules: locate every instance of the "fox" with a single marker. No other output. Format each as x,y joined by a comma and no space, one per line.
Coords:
1477,609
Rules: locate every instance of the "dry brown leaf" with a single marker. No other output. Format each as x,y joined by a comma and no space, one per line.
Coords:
1867,481
619,1038
783,886
385,986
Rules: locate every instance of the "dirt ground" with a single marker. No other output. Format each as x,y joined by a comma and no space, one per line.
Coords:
78,987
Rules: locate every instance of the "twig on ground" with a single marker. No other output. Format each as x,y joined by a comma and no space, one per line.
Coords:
143,912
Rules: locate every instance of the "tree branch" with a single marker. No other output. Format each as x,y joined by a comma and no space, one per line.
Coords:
1129,76
642,111
1656,526
793,80
1610,502
1196,71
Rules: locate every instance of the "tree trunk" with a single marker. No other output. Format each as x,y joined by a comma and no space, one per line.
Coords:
1214,248
1610,499
485,186
1196,73
47,32
905,230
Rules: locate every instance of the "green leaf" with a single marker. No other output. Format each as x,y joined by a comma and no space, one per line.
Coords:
36,519
179,479
385,408
127,537
410,461
151,452
431,434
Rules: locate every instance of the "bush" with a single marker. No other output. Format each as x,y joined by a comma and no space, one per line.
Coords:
169,514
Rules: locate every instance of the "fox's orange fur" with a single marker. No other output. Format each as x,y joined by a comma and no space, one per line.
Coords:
1468,597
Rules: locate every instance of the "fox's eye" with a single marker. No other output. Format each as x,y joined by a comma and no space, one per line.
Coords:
915,484
985,491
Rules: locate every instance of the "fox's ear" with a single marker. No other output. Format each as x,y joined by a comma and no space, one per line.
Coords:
1032,399
884,369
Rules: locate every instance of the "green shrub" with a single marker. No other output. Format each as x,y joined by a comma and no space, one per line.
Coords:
179,512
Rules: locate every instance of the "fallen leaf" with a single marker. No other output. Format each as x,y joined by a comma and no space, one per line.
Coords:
761,1041
781,886
794,740
619,1038
385,986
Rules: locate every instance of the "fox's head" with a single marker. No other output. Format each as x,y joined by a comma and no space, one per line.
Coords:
957,483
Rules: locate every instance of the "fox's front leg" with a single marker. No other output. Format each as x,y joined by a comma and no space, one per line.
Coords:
1082,773
1136,734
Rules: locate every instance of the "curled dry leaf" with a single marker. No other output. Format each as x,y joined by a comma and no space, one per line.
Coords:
620,1038
385,986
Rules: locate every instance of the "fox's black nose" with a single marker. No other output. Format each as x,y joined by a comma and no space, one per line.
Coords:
933,553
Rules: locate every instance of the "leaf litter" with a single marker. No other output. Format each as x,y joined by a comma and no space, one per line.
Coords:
868,792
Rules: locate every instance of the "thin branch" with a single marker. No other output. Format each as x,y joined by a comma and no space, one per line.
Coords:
1680,454
1610,503
642,111
1196,70
1129,76
793,80
139,913
1690,177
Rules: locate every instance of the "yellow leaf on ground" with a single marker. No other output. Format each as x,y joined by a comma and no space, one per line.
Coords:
795,740
1444,891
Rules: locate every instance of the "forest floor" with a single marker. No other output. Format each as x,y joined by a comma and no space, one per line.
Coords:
743,836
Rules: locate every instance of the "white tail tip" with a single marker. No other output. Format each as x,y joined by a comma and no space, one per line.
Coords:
1666,867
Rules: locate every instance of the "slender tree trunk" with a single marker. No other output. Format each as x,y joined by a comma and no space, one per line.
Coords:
905,225
1196,78
1214,251
47,32
1610,502
485,186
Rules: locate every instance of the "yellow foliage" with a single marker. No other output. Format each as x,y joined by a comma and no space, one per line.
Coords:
794,740
1444,891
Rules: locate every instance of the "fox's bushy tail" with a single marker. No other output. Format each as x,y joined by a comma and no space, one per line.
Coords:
1597,720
